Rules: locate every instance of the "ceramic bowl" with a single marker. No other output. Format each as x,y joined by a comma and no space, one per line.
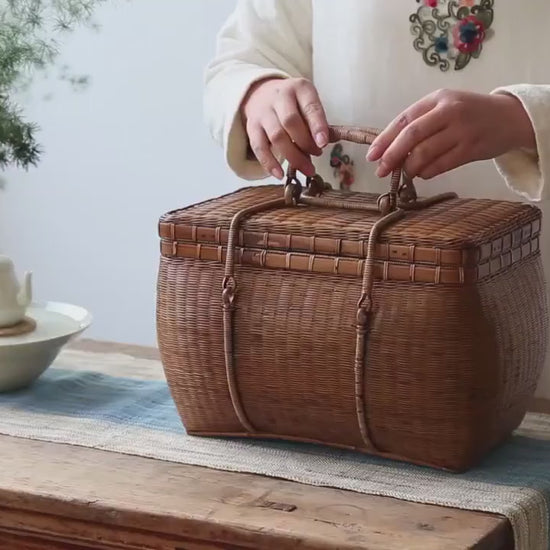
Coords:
24,358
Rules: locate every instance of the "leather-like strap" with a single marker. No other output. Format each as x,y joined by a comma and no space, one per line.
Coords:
364,307
229,290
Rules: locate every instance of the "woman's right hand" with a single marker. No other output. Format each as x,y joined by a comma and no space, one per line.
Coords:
285,116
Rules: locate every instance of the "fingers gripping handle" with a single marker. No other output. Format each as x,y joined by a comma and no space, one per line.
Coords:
365,136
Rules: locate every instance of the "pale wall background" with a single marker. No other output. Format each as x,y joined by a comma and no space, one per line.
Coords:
129,148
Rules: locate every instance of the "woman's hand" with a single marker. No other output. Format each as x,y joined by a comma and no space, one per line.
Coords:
448,129
285,116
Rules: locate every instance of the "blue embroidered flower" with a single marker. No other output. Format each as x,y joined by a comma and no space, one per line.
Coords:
468,32
442,44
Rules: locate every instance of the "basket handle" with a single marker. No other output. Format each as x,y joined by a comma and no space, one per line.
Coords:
401,191
355,134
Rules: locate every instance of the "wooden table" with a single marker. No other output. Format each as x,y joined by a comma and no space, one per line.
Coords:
55,497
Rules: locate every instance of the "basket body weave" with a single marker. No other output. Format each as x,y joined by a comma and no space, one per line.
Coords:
454,343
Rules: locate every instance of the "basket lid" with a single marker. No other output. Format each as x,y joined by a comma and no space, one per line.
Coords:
455,232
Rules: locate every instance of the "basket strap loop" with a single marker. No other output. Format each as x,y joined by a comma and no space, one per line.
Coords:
364,310
229,292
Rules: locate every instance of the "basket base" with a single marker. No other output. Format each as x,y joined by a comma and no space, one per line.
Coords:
26,326
363,450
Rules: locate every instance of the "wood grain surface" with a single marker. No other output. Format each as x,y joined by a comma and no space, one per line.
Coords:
55,497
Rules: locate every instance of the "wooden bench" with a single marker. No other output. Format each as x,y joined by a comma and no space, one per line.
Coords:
55,497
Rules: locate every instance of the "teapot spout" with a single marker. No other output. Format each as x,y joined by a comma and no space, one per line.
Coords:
24,298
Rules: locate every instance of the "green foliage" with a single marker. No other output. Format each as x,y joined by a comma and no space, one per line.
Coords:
30,31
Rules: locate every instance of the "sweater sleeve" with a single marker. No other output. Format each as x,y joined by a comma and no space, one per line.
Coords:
527,172
260,39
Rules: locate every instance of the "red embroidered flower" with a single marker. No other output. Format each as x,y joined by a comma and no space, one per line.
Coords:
343,166
431,3
468,34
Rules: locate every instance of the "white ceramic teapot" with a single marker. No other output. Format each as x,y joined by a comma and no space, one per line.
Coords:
14,300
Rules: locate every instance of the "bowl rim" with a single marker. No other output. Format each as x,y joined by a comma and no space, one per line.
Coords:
84,321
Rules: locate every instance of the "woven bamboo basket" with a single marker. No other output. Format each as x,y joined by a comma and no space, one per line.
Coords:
413,329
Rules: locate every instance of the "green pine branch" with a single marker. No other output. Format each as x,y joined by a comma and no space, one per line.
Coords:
17,143
30,31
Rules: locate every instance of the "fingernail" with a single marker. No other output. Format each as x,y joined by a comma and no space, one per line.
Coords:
321,139
374,153
277,173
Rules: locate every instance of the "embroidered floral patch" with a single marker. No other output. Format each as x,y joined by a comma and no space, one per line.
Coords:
451,32
343,167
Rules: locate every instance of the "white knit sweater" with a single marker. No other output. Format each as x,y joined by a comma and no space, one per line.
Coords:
360,55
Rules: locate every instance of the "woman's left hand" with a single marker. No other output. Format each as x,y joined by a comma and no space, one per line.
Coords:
448,129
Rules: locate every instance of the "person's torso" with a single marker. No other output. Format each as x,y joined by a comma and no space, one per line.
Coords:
368,70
